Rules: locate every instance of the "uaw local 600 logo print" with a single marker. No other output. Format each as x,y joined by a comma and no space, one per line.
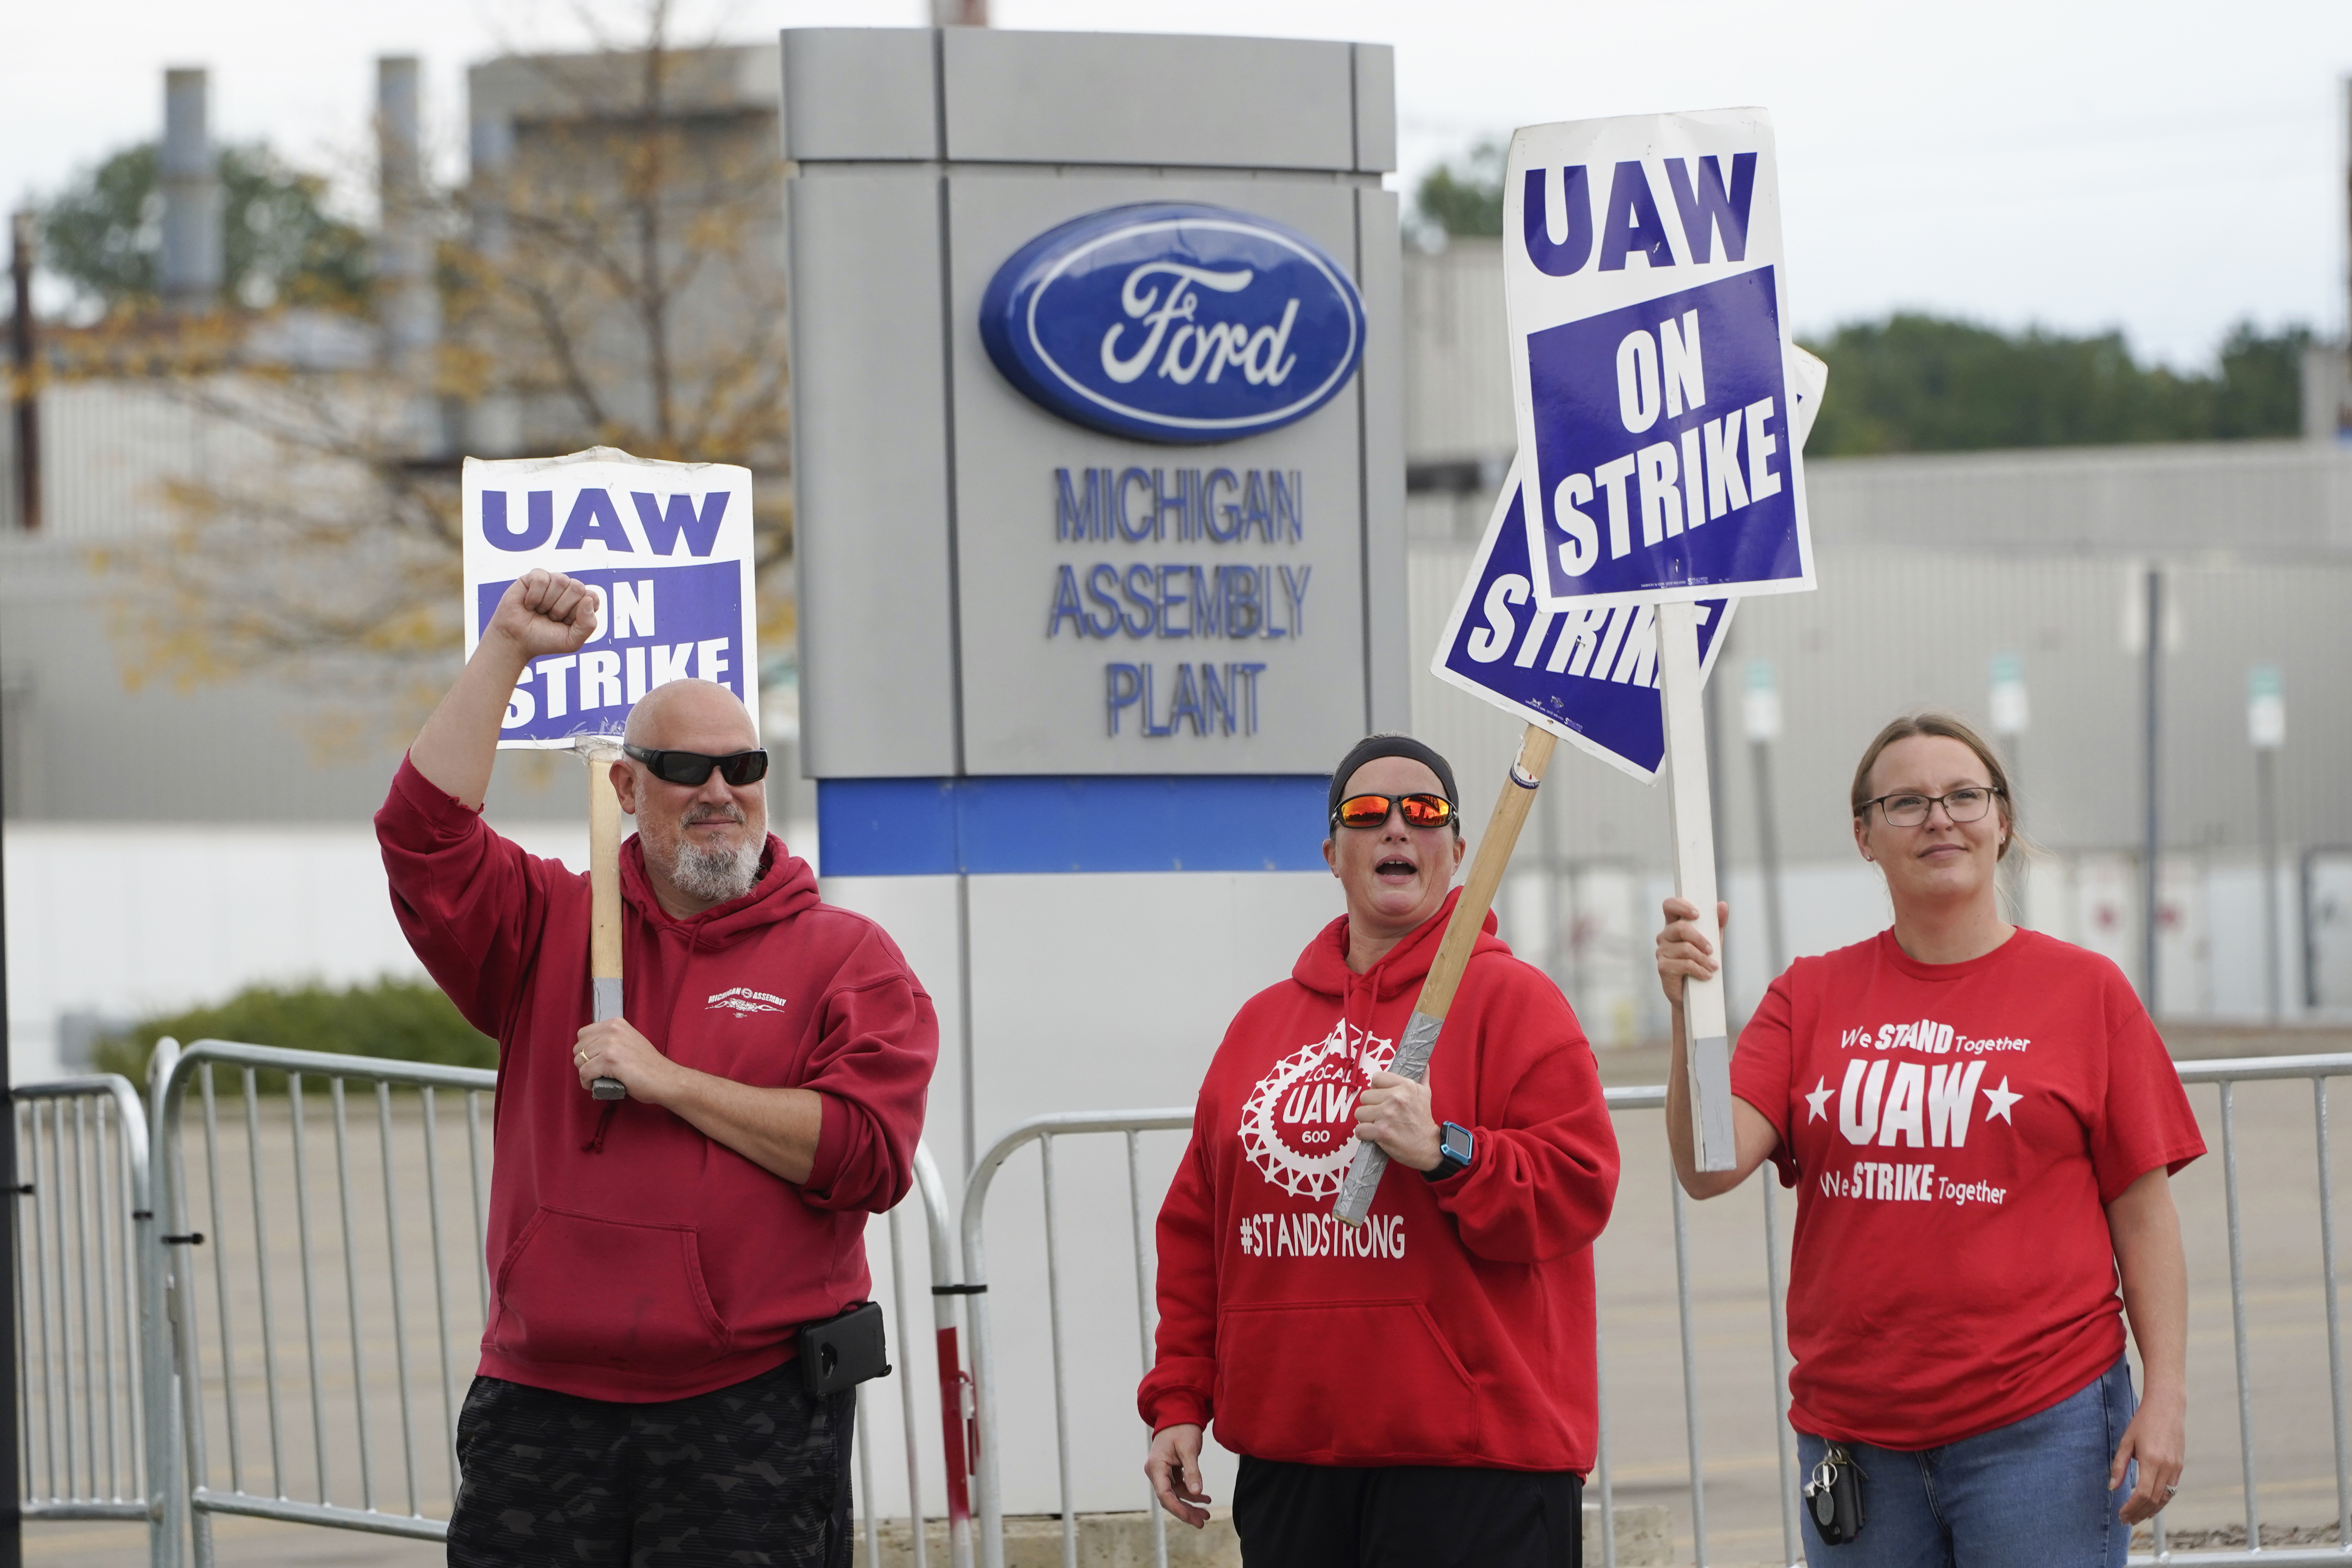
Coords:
1298,1126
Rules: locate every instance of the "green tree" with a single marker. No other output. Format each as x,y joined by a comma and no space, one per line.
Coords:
2261,382
1464,199
104,234
1916,383
397,1020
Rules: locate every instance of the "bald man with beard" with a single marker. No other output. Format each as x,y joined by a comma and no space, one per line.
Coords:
653,1259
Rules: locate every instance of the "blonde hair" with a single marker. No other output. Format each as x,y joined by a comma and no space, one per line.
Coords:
1948,727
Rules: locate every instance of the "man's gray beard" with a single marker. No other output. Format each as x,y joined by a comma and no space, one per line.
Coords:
714,873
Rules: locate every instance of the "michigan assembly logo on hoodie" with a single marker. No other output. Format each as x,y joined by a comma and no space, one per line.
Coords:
1298,1126
741,999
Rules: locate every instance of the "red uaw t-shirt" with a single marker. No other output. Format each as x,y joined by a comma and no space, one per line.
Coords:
1955,1132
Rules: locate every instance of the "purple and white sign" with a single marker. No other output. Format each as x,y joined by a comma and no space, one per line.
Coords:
1649,323
1589,674
666,548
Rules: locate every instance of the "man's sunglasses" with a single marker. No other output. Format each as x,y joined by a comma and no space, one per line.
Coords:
1373,810
693,768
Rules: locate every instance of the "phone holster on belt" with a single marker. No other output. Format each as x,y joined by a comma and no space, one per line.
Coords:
843,1352
1834,1497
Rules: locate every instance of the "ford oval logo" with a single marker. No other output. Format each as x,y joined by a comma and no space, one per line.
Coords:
1174,322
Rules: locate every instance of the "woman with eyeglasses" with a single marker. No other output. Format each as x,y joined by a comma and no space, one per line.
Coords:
1980,1123
1418,1389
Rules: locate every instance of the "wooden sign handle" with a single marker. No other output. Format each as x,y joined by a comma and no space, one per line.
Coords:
605,906
1462,933
1706,1056
1486,868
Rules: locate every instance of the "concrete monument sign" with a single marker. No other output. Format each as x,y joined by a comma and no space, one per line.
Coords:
1097,443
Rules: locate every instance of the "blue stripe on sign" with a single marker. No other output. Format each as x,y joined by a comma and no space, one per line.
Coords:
938,826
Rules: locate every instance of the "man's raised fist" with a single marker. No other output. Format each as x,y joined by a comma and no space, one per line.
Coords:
544,613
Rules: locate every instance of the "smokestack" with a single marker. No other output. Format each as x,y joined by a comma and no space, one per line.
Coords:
190,274
493,161
493,422
2328,370
408,306
960,13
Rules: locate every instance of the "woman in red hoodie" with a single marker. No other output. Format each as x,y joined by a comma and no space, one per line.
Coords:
1418,1389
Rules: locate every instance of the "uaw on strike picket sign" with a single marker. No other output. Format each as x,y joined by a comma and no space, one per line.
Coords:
1648,304
1658,476
666,548
1589,673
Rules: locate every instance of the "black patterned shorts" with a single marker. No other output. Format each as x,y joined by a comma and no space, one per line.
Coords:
750,1475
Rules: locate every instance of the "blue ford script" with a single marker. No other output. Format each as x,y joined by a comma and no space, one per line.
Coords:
1174,322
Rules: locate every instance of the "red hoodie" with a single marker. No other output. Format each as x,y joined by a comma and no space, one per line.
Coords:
631,1257
1455,1327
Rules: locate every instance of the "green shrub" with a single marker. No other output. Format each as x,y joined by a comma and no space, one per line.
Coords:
399,1020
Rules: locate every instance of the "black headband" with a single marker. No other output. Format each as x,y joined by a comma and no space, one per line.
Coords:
1375,746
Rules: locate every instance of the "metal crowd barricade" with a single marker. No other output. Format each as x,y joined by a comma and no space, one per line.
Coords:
2227,1076
1654,1098
954,1385
1042,1131
295,1292
149,1292
357,1430
89,1302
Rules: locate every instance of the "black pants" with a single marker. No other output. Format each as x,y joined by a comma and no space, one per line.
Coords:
1424,1516
757,1473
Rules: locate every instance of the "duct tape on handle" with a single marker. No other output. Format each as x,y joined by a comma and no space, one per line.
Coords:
604,992
1364,1172
1710,1067
1420,1042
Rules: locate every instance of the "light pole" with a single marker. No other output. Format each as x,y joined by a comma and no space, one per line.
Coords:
1762,711
2266,732
24,353
2152,828
2011,715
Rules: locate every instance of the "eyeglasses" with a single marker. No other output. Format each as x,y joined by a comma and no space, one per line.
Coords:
692,768
1373,810
1968,803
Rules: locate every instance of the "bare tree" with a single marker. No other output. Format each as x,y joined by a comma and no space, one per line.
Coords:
611,275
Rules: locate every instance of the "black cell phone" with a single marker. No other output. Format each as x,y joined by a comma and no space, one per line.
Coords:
843,1352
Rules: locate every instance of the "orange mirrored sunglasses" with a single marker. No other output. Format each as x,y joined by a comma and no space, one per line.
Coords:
1373,810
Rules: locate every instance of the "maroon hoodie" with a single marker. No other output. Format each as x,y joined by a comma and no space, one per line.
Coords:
631,1257
1455,1327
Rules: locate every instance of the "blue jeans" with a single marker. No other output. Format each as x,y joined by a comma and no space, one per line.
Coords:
2032,1494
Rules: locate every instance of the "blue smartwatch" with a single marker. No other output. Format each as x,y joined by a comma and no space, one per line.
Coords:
1454,1148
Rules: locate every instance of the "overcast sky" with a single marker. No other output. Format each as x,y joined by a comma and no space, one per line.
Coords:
2150,164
